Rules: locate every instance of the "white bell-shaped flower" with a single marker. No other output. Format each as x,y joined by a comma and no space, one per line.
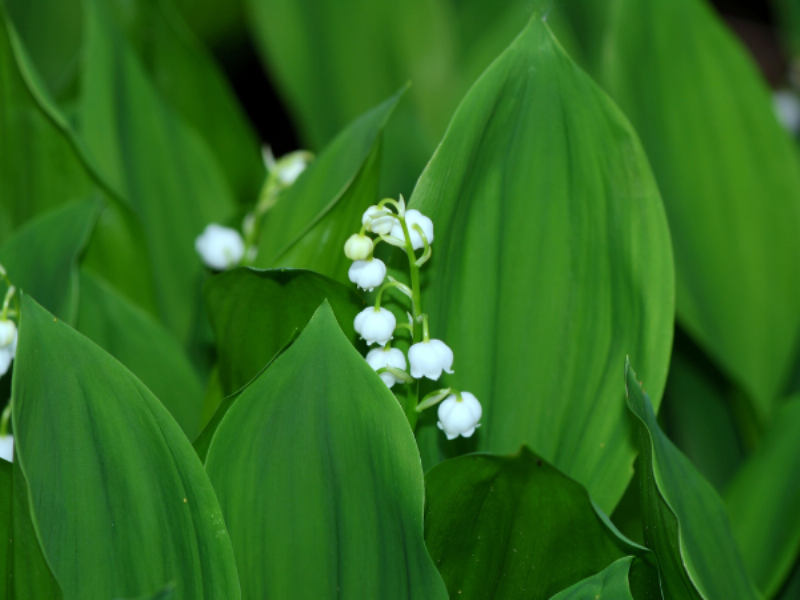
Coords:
220,247
7,448
414,217
375,326
379,220
787,107
289,166
429,359
367,274
459,416
8,345
358,247
387,357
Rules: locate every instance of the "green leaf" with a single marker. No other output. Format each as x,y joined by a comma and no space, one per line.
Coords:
610,584
42,257
685,523
730,180
6,528
313,218
498,527
552,260
165,594
120,499
788,14
254,313
763,502
159,163
320,481
144,346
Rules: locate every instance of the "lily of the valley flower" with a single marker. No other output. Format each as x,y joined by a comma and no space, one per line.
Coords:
429,358
459,415
380,358
379,220
7,447
220,247
787,107
289,166
414,217
8,345
375,325
358,247
367,274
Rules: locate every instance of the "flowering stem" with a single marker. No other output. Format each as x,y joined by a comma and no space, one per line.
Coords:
267,198
4,419
416,310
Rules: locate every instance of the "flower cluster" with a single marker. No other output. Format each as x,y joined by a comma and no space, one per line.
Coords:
390,222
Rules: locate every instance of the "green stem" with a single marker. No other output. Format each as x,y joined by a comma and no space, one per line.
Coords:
416,310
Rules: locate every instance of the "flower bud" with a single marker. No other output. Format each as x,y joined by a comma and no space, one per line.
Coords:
367,274
358,247
459,416
220,247
379,220
8,345
7,448
387,357
375,326
414,217
429,359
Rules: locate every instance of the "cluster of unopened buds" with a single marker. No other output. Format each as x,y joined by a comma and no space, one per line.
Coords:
390,222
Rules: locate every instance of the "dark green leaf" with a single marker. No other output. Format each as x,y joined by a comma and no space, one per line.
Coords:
788,13
254,313
610,584
685,523
552,260
6,529
159,163
42,257
320,481
120,499
165,594
514,527
763,502
144,346
730,180
313,218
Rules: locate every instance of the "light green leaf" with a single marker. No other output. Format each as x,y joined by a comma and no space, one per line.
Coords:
254,313
515,527
120,499
610,584
42,256
551,260
313,218
159,163
730,180
165,594
763,502
685,523
144,346
320,481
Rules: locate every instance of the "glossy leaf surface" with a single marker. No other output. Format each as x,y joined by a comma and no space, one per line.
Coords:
685,523
121,502
610,584
320,481
254,314
42,257
144,346
551,260
513,527
314,217
763,502
730,181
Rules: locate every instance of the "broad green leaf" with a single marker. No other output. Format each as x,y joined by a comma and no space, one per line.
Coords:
610,584
44,165
551,260
730,180
313,218
685,523
120,500
514,527
42,256
6,528
31,576
144,346
698,415
254,313
156,161
165,594
763,502
792,588
320,481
